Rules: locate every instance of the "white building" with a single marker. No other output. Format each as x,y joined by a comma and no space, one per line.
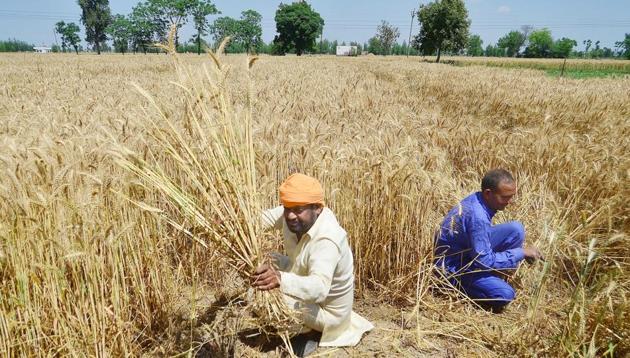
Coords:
42,49
347,51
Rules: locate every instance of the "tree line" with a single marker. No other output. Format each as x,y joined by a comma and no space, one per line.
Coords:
14,45
540,44
444,29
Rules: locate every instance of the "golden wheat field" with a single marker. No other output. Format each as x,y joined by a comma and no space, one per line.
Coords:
88,267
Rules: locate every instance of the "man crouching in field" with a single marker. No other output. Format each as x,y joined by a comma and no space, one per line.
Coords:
316,277
473,253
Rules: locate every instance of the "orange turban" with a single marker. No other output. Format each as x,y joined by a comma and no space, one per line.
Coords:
299,189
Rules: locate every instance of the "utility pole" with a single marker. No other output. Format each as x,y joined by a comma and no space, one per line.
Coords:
55,34
413,14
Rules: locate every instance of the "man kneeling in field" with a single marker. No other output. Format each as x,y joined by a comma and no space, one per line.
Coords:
316,276
473,253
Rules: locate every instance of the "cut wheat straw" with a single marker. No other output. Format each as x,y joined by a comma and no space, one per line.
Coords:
216,202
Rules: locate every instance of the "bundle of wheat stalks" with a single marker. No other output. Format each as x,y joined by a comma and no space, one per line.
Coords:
204,168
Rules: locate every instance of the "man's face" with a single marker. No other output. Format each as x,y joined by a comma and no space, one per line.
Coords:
501,197
300,218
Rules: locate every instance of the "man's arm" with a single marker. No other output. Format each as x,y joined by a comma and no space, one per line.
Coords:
532,254
265,278
482,254
315,286
272,218
281,261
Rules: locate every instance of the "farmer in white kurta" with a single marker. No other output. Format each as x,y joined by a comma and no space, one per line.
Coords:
316,276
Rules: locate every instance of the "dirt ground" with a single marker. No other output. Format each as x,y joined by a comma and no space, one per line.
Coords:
392,336
400,331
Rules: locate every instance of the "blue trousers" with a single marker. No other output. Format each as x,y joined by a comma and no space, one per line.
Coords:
485,287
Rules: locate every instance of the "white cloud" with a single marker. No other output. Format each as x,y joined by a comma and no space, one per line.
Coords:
503,9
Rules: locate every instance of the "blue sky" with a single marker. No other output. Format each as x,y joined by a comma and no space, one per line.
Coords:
356,20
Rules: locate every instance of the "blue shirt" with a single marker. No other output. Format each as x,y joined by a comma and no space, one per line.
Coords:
464,243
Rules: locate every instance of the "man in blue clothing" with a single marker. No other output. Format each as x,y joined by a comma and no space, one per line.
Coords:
473,253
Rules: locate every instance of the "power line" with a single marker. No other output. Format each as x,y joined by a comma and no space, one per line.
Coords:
39,17
362,24
38,12
489,27
357,22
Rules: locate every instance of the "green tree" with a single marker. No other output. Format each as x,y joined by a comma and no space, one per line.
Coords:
607,52
512,42
120,31
105,47
275,48
72,35
60,28
200,11
298,26
374,46
145,27
563,47
324,46
250,30
245,33
587,43
495,51
264,48
223,27
443,27
475,44
397,49
69,35
171,12
13,45
624,46
191,46
490,51
540,43
387,35
96,16
597,51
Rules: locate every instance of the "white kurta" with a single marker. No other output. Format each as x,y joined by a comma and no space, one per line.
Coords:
317,278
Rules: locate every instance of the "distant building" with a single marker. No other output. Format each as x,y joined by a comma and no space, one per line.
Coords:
347,51
42,49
